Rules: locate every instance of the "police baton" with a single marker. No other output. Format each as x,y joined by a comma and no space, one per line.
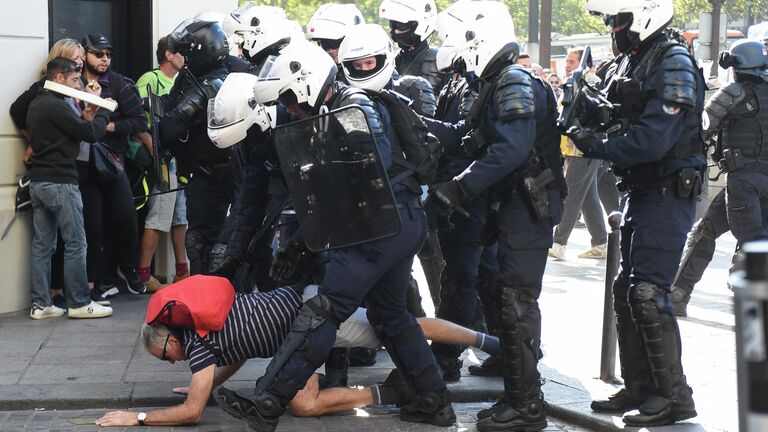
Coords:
608,344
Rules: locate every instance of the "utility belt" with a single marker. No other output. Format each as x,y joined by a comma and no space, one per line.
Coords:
211,169
734,160
686,184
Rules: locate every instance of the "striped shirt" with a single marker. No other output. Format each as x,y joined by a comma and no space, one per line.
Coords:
255,327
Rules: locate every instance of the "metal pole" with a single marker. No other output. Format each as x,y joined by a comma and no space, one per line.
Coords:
608,345
751,309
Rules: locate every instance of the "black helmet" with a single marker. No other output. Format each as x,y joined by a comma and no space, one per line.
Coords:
746,56
203,44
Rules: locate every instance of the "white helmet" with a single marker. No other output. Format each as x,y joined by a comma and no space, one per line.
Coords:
332,21
302,70
251,14
232,112
486,35
266,35
648,16
423,12
368,40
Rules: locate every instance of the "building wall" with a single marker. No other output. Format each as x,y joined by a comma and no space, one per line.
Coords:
24,44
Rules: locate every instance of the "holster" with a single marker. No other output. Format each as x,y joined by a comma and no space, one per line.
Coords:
689,183
473,142
732,160
535,190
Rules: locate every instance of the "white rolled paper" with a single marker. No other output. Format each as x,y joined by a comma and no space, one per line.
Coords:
81,95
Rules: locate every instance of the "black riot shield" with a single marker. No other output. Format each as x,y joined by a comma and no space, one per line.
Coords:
159,175
337,180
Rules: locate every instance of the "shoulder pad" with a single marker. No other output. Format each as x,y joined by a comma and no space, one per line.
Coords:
419,90
721,103
355,96
514,93
676,78
429,70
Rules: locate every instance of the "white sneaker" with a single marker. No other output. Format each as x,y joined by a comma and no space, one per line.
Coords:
92,310
39,312
557,251
596,252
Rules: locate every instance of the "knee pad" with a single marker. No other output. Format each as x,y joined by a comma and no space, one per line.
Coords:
513,306
650,304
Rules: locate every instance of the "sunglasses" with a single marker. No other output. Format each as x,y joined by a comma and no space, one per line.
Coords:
77,68
100,54
165,348
396,25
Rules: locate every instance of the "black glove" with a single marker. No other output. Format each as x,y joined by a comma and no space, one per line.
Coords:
288,263
448,197
583,138
225,267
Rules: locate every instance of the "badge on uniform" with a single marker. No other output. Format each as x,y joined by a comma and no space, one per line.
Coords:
670,109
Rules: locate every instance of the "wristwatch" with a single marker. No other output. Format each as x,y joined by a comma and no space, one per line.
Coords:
142,417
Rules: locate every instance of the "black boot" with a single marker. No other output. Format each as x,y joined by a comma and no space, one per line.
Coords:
451,368
405,394
490,367
262,411
487,412
431,407
362,357
528,416
626,399
660,411
336,368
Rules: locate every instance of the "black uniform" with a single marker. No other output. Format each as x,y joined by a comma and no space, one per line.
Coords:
421,61
660,159
516,142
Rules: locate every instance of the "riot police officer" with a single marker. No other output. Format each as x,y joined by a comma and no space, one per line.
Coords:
738,114
513,138
302,78
329,25
183,129
659,155
411,23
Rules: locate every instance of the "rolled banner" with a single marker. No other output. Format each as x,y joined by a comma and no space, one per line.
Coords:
81,95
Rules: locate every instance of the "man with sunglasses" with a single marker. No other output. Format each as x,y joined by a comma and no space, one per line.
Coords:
57,126
109,206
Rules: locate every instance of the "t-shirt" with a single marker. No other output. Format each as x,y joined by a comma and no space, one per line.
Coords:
255,327
159,81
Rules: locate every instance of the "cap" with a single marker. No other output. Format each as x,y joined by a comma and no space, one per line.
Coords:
96,42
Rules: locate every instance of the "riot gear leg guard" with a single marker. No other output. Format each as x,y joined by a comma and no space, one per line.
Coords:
654,316
432,262
699,250
272,395
523,406
432,402
634,367
336,367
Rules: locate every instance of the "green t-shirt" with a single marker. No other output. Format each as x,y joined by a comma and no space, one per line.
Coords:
161,84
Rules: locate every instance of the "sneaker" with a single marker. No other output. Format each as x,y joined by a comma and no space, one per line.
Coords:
101,298
91,310
557,251
132,279
153,285
105,289
42,312
596,252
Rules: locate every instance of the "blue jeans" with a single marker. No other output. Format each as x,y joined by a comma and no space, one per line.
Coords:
58,206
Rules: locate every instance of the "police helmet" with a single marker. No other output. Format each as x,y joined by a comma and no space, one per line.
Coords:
203,44
648,17
368,40
746,56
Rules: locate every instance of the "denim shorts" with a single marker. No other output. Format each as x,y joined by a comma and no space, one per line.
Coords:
167,210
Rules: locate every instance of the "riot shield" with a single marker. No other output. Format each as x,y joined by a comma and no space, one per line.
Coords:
337,180
159,175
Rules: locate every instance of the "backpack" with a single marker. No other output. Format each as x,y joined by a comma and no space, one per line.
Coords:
200,302
422,149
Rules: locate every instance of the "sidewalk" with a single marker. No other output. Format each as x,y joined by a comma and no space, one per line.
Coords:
79,364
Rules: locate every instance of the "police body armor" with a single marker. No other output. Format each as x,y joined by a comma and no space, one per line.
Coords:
195,151
511,90
421,62
454,104
664,70
737,111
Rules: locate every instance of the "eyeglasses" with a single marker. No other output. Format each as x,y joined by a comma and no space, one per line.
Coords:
77,68
165,348
100,54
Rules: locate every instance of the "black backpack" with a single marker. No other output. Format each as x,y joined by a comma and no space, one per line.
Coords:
422,149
